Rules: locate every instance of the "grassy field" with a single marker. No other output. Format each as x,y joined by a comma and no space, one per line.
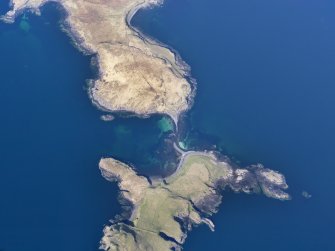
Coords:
155,225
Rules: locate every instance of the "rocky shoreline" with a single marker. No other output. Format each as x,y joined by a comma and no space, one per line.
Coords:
137,74
196,185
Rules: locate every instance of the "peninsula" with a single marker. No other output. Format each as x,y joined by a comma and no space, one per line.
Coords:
136,74
162,211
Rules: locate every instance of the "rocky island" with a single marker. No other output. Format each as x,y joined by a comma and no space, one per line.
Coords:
136,74
162,211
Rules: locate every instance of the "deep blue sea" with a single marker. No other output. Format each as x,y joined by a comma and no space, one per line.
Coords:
52,195
266,88
266,93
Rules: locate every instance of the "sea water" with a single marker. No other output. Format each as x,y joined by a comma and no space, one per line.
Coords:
52,195
265,93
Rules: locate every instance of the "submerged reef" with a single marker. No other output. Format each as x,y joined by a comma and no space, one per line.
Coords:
107,117
160,212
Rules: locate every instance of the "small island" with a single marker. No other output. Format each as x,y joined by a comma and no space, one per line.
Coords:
159,212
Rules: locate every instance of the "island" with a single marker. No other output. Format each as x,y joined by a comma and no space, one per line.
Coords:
136,74
159,212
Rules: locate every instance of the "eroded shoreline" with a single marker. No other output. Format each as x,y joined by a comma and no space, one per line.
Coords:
137,74
161,212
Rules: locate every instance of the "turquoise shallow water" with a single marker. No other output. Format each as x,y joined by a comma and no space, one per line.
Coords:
265,72
265,94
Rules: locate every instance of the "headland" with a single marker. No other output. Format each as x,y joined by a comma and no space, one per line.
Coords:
160,212
136,74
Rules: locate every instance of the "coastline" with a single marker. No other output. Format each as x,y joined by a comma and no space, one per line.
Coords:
158,50
195,186
79,44
186,69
